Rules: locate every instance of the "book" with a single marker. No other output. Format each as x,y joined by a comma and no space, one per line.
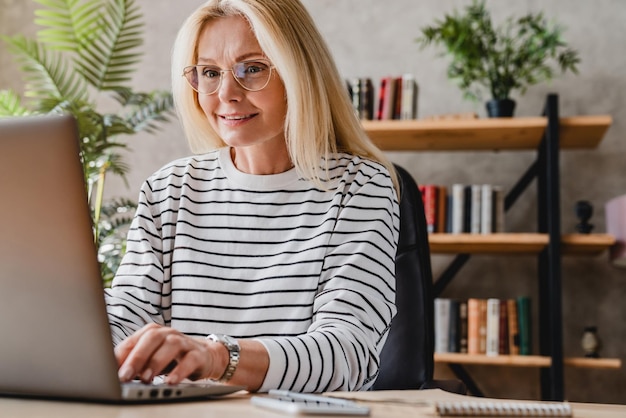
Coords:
408,109
476,326
354,90
473,319
387,98
454,327
397,99
442,324
498,209
504,408
486,208
449,213
429,197
463,326
513,327
475,211
523,320
366,102
382,93
493,327
503,334
467,208
457,203
482,326
442,209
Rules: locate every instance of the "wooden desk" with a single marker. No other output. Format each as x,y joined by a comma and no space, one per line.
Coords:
388,404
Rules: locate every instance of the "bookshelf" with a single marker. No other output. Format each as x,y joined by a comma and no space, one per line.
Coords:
548,135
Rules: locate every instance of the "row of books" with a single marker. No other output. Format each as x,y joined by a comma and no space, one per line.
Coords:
483,326
463,208
396,99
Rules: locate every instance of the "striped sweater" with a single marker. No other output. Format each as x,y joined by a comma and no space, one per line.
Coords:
307,272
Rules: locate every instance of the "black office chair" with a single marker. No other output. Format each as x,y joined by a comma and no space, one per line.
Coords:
407,359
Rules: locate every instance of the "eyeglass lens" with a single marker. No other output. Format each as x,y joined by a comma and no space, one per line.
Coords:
251,75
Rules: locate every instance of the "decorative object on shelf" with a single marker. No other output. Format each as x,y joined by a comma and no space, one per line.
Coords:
590,342
510,57
584,210
85,50
615,214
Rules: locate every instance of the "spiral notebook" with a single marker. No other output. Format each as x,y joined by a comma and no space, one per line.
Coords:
502,409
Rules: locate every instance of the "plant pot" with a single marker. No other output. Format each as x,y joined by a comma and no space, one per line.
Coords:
500,108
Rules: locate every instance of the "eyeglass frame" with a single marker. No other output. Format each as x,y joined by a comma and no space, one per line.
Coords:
188,68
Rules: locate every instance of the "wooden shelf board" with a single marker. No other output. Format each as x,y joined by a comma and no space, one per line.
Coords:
593,363
526,361
503,360
583,131
518,243
518,133
487,244
591,244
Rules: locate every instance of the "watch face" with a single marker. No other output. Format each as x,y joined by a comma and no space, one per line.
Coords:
230,340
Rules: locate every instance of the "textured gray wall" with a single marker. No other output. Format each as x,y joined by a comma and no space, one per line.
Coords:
373,38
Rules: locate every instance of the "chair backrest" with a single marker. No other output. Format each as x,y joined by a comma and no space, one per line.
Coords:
406,361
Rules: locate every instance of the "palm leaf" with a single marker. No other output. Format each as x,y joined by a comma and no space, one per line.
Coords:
148,109
46,73
108,61
68,24
10,104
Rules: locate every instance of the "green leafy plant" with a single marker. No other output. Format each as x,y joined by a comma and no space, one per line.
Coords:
87,49
513,56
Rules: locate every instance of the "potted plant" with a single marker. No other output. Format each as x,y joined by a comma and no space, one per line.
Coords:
510,57
84,50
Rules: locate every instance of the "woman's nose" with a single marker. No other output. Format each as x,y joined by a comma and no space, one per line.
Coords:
229,88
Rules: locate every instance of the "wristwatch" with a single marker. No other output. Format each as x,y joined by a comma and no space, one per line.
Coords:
232,346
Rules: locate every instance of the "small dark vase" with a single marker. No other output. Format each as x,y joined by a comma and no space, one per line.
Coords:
500,108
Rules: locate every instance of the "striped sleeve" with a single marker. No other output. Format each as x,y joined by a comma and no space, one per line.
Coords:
137,295
355,301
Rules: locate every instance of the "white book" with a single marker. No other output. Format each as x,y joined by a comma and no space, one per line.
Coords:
493,327
498,209
486,209
458,210
442,325
408,104
476,210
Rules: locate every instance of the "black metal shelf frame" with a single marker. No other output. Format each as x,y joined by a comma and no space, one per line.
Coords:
546,170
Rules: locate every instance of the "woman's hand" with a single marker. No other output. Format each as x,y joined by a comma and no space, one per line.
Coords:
155,349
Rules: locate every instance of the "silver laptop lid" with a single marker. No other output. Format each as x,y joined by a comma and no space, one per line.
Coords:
55,339
55,335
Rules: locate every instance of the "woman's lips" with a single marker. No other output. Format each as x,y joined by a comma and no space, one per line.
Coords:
233,120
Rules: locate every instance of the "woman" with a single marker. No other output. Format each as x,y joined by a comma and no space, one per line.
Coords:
278,238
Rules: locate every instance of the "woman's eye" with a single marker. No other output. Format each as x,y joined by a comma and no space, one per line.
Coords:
210,73
252,68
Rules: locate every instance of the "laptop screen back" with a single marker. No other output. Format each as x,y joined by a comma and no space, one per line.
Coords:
55,335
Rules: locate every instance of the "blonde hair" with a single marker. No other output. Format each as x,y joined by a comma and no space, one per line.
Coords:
320,119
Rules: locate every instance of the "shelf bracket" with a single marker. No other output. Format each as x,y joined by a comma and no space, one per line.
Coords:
460,372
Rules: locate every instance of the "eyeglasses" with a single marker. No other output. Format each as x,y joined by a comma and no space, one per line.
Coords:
253,75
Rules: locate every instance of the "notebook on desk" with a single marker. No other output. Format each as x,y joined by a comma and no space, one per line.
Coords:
54,333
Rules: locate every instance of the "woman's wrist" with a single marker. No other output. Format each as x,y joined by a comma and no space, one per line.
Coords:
224,369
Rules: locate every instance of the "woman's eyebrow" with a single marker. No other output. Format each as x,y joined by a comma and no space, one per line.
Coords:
243,57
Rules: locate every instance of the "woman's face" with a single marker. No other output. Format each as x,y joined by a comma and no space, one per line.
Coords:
240,117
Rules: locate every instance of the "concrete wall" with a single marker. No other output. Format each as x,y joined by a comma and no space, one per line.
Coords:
373,38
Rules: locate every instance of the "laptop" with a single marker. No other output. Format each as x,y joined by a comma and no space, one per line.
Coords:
55,340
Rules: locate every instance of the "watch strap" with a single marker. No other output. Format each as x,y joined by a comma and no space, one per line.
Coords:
232,346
